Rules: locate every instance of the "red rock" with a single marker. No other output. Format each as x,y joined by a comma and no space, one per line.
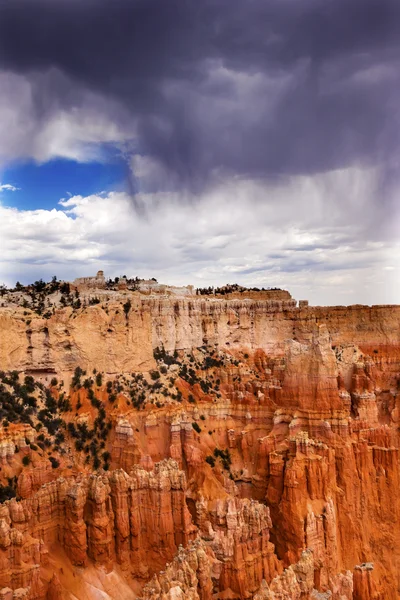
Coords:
310,419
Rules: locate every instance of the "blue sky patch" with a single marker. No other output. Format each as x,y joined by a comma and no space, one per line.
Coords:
43,185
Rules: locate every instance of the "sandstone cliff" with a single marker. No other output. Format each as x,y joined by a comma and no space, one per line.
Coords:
250,450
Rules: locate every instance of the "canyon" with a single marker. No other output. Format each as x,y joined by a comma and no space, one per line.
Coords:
206,448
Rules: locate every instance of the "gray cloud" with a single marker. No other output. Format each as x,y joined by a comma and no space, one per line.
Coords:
217,88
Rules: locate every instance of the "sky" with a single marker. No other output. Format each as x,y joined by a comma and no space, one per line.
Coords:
222,141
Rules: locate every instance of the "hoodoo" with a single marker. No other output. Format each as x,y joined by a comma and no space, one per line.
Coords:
160,443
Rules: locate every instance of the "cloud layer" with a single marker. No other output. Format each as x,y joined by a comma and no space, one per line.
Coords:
256,89
262,139
296,240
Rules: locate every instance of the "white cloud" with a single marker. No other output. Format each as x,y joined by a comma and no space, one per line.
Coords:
296,235
7,187
30,130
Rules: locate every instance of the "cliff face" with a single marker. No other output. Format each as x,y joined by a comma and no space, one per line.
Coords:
260,461
113,342
88,338
138,521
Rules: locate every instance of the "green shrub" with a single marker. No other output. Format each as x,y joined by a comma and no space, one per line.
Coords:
87,384
6,493
210,460
76,380
127,307
225,457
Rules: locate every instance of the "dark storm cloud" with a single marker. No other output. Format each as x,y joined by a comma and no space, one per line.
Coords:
256,88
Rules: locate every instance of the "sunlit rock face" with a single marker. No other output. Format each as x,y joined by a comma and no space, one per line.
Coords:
211,448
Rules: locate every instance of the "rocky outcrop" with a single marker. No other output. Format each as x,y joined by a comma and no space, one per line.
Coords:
295,583
14,437
189,576
194,571
237,530
364,585
136,520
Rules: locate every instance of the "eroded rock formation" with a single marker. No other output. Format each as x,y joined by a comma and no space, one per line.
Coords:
261,460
